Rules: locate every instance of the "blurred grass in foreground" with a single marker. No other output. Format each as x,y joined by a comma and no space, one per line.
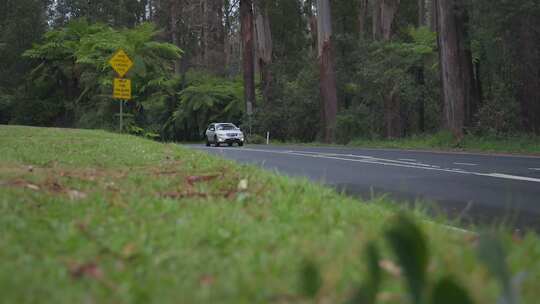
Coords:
90,216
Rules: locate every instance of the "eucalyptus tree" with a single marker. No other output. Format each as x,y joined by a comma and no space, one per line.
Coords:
327,70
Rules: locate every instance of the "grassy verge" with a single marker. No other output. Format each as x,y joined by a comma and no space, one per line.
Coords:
89,216
445,142
471,143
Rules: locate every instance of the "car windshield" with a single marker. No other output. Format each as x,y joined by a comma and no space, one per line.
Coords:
226,127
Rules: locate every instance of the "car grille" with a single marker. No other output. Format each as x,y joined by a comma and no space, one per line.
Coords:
231,134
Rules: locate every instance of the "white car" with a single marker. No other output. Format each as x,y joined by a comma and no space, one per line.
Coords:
224,133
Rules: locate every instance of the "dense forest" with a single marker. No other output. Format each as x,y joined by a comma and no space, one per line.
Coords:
305,70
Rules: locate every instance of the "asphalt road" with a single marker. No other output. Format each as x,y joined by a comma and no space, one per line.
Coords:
472,187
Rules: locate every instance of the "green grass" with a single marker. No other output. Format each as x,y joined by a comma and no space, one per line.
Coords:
444,141
470,143
91,216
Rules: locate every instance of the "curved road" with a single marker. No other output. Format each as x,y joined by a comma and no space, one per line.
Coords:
474,187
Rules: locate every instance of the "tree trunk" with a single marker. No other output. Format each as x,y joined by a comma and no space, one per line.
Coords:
383,18
312,24
246,19
420,79
214,36
392,115
376,20
264,50
327,69
384,12
363,6
421,13
528,72
173,19
432,4
455,64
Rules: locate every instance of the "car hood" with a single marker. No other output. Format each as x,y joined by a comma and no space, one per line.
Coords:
236,132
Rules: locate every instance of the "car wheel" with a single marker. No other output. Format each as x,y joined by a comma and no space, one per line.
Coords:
207,142
216,142
240,144
230,144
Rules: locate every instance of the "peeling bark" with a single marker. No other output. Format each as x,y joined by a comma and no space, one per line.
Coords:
327,69
264,51
384,12
246,19
455,64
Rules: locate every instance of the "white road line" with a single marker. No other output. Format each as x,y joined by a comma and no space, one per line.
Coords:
388,162
407,159
515,177
534,169
465,164
401,161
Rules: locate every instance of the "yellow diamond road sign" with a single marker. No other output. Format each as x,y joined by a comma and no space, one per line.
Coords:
122,89
121,63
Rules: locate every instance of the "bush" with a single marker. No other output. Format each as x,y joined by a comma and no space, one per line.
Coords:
499,115
255,139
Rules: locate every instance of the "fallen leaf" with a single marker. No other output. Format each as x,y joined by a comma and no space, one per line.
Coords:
129,251
206,280
76,195
55,186
390,267
203,178
88,269
243,185
32,187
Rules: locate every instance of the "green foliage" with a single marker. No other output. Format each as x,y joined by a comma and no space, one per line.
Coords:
367,293
377,67
492,254
310,280
203,100
447,291
73,76
293,113
255,139
409,244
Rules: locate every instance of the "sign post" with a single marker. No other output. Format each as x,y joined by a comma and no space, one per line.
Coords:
121,63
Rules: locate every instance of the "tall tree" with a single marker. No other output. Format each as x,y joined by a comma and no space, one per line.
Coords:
421,12
363,6
173,23
264,49
420,77
455,63
384,12
327,69
246,21
312,21
214,36
383,18
528,70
